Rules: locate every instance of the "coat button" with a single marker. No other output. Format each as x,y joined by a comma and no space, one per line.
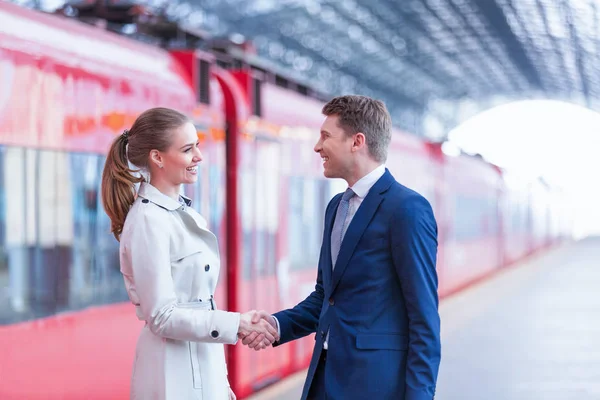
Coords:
214,334
145,201
206,267
331,302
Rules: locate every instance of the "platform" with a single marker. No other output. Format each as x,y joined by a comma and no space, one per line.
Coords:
530,332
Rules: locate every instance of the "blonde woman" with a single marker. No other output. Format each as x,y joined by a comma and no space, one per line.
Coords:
170,263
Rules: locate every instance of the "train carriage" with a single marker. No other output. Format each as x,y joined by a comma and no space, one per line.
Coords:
66,90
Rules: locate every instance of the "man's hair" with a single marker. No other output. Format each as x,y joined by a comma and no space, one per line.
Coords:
366,115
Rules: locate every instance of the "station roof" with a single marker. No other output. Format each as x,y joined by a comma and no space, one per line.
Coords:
440,60
421,55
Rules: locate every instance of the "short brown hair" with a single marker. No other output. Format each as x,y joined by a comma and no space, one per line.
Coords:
363,114
152,130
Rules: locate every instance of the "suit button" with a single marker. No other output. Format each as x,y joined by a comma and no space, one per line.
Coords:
331,302
214,334
322,333
145,201
206,267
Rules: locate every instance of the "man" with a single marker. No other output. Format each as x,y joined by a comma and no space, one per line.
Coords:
375,304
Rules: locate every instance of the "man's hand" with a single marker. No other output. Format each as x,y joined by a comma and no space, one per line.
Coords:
254,339
261,332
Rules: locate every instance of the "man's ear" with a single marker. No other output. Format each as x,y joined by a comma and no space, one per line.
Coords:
359,141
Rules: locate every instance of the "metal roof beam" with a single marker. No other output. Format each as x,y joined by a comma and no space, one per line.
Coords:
523,32
492,12
577,50
420,72
483,76
556,44
375,83
450,64
464,11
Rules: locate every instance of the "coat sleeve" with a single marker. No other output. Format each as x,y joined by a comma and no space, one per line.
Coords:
414,252
148,252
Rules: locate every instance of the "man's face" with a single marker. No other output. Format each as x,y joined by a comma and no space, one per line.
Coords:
335,148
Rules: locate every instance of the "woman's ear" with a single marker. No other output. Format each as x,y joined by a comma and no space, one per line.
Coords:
156,158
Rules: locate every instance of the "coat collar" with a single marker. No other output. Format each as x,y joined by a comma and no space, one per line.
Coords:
358,225
147,191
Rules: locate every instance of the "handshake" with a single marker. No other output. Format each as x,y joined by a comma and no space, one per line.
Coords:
257,330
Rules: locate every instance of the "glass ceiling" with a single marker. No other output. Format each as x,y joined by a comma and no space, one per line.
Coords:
417,54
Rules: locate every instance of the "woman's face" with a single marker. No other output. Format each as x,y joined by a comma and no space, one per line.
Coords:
180,161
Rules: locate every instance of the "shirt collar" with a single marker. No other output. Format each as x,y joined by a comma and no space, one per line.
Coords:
147,191
363,185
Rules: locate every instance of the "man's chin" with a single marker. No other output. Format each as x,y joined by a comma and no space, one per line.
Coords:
331,174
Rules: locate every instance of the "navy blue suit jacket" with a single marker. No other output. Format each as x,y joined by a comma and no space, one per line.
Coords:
380,304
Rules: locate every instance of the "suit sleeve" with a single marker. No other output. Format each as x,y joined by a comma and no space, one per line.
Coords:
148,250
414,252
303,319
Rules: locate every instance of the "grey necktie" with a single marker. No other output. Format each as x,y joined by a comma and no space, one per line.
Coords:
339,228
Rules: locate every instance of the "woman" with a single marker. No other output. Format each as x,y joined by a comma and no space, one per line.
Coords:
170,263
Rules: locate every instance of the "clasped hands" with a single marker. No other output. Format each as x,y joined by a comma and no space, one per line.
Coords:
258,329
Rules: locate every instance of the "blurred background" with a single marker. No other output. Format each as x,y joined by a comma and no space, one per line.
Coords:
495,109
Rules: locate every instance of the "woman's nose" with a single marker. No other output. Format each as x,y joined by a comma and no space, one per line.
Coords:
198,156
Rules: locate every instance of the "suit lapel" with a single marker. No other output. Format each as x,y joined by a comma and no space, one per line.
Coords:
359,223
329,219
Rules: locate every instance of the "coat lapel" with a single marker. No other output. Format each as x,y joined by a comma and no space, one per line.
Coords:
190,217
359,223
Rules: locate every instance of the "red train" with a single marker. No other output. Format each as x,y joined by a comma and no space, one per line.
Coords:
66,89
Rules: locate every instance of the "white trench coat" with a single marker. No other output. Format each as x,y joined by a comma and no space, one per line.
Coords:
170,264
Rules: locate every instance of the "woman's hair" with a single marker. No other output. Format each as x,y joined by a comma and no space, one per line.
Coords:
152,130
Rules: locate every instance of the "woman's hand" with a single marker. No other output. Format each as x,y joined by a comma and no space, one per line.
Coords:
250,323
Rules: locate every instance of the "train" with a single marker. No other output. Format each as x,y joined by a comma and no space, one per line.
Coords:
67,330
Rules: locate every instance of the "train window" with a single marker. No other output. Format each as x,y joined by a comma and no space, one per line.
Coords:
474,217
14,294
60,254
223,63
204,82
281,81
95,275
306,209
256,97
217,200
302,89
267,205
4,277
518,211
246,201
